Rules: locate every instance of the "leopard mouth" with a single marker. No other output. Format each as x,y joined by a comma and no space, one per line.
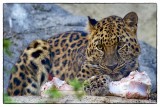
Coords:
108,68
108,63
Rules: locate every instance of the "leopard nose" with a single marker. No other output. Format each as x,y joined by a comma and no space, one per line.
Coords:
110,50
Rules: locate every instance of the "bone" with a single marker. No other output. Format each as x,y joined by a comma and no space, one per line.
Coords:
55,82
136,86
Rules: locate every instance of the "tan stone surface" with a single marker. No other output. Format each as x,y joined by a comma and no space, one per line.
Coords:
72,99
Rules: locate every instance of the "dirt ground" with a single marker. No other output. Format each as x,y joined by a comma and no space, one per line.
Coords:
147,14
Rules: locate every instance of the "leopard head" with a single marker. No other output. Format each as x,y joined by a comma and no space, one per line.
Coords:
107,36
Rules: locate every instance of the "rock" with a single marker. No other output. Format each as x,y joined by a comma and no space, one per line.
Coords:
148,62
68,99
40,17
24,23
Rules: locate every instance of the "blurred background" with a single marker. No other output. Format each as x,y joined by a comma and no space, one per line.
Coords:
147,14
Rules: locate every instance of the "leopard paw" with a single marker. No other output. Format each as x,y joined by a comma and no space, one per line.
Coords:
97,85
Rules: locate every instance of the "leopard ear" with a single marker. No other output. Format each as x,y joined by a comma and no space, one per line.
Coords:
91,24
131,20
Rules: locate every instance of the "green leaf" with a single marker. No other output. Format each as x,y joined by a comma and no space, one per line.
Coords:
13,69
6,44
54,93
77,86
79,94
7,99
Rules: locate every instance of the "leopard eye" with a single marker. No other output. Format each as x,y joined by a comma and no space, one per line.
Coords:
100,47
120,45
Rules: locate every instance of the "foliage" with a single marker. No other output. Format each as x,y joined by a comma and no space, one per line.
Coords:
77,87
54,93
13,69
6,44
8,72
7,99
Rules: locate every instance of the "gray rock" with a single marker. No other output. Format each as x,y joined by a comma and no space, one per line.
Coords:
24,23
148,63
27,18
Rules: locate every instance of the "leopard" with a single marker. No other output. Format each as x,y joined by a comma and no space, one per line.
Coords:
107,52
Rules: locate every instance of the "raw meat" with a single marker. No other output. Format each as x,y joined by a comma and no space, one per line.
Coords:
55,82
136,85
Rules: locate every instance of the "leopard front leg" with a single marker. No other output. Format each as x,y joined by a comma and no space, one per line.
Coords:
95,83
